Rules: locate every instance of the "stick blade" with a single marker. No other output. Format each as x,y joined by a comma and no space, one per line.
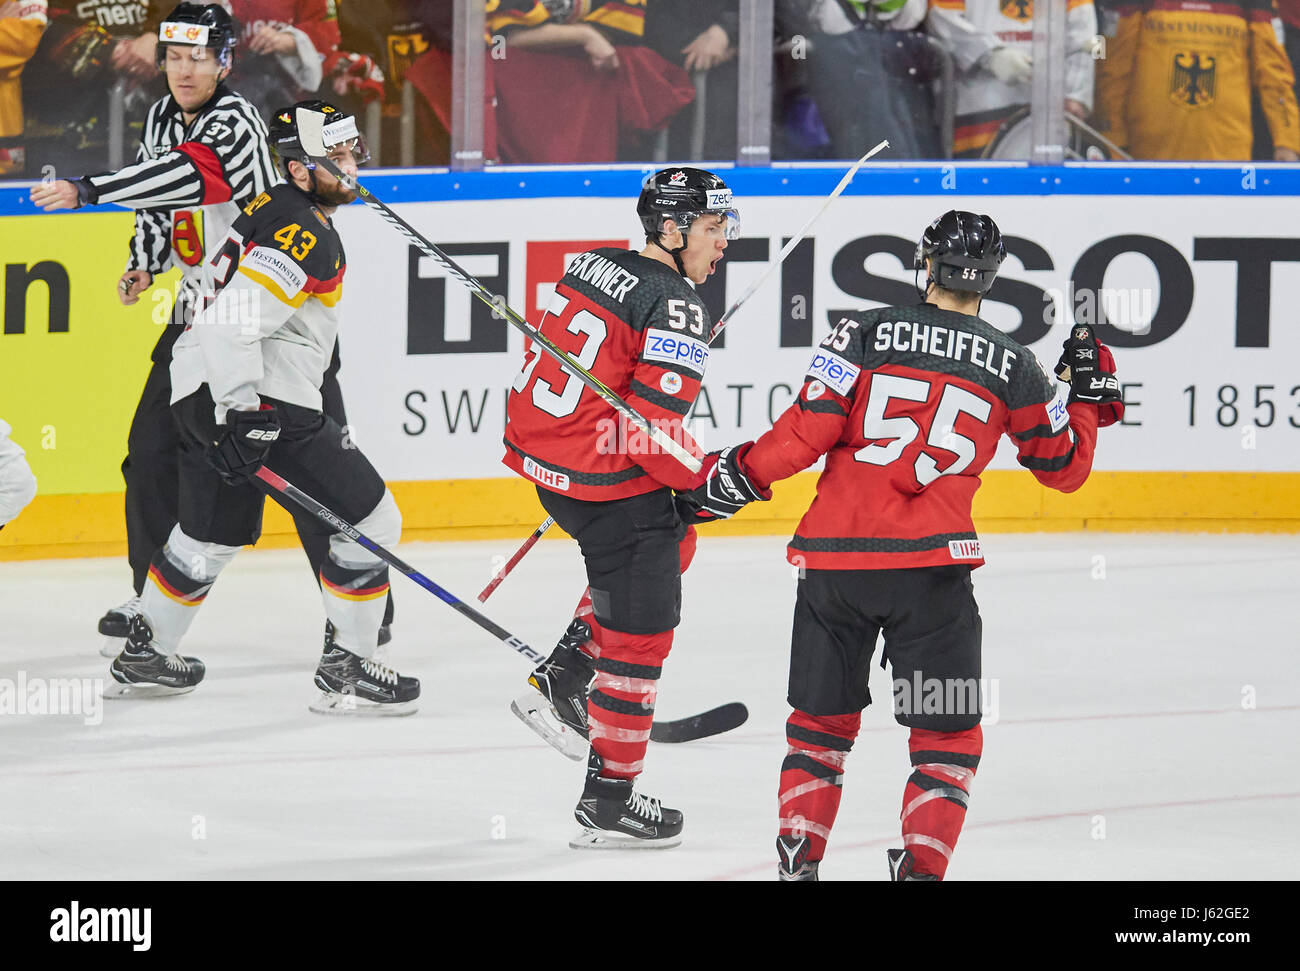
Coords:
712,722
311,131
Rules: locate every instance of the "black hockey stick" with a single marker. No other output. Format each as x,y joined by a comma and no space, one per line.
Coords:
682,730
311,136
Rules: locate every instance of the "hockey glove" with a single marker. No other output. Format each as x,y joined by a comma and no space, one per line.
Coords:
726,489
1088,367
240,452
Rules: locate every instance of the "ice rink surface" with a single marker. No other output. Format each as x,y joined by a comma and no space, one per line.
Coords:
1147,717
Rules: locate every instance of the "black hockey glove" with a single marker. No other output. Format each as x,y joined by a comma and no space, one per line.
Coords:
241,451
726,490
1081,368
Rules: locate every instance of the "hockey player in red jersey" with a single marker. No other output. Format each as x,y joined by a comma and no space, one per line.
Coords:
635,321
908,405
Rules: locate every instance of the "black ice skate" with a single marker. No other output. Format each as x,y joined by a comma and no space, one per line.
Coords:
115,625
614,816
559,716
900,867
140,671
794,863
354,685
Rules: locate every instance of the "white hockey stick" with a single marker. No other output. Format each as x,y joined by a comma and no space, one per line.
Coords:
795,240
311,136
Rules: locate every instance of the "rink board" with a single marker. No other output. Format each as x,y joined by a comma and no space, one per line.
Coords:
1186,271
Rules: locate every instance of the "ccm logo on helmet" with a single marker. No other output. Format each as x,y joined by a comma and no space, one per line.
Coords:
662,345
833,371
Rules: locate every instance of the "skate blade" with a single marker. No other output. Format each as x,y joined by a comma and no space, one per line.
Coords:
118,691
334,703
535,712
598,839
111,646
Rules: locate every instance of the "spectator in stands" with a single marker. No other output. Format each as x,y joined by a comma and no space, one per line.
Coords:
565,90
1289,13
394,41
21,25
1177,79
868,72
67,86
991,42
700,36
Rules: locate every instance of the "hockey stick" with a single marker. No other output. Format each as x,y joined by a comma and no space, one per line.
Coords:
519,555
795,240
311,137
682,730
717,329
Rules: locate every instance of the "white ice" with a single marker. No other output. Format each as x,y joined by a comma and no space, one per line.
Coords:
1148,711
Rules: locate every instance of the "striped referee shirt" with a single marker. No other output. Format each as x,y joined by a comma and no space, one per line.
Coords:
217,163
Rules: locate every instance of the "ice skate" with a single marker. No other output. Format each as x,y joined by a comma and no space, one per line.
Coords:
900,867
794,864
354,685
115,625
557,709
615,816
140,671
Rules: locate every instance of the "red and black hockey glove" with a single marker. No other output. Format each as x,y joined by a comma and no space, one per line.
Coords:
241,451
1088,367
726,489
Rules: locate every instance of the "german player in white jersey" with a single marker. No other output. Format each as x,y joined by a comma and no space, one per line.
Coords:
245,383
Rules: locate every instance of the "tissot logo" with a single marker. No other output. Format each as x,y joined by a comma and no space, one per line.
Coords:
75,923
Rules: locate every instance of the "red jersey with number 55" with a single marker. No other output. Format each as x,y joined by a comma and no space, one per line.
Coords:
908,404
639,327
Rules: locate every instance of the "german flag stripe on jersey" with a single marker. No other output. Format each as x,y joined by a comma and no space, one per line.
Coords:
355,593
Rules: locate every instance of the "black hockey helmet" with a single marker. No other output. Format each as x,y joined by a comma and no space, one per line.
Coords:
683,194
202,25
965,251
340,129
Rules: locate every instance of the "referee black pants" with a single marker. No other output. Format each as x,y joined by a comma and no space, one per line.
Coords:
151,469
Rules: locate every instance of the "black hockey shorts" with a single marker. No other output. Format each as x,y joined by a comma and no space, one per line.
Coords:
312,452
631,549
932,634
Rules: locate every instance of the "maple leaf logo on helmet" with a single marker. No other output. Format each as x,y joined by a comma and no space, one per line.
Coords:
677,178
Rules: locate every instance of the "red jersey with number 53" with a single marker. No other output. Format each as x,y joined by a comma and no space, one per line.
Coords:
639,327
908,404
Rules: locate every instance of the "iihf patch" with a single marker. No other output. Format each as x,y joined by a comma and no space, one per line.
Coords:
670,383
814,390
964,549
834,371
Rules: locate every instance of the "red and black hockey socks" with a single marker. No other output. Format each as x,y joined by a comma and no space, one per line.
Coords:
621,705
937,793
812,775
355,600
